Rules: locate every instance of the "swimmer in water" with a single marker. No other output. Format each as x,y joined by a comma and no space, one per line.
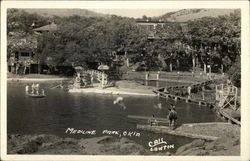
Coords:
158,106
119,101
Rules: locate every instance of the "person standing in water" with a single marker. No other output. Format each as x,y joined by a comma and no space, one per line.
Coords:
43,93
172,116
37,88
33,88
27,88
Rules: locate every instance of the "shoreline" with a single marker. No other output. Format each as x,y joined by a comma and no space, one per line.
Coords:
37,79
114,91
122,87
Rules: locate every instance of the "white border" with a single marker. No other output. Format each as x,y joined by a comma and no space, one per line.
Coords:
243,5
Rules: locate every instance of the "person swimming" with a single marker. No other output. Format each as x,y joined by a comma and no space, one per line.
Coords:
119,101
158,106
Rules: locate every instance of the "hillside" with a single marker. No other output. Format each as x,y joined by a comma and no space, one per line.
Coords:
192,14
64,12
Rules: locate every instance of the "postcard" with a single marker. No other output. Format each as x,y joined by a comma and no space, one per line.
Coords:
122,80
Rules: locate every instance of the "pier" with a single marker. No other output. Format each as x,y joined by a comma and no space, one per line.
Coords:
163,92
168,130
206,131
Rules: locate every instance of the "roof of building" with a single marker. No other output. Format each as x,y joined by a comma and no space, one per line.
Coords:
50,27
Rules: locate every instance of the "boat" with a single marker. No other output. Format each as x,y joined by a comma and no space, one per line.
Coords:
36,95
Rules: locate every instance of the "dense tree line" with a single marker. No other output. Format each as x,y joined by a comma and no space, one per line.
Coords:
80,40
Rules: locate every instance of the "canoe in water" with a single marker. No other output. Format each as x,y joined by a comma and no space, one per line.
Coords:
36,96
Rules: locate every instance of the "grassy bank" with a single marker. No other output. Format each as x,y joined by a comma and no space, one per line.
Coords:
172,76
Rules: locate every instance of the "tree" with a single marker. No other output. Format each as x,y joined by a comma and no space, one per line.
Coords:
220,34
235,73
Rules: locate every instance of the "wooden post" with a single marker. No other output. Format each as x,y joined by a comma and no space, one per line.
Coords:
205,68
236,96
170,67
127,62
147,75
102,83
193,60
158,75
157,84
175,98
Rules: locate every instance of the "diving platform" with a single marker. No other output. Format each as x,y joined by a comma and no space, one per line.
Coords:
188,100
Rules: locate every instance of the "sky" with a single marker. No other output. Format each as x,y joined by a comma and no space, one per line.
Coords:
136,13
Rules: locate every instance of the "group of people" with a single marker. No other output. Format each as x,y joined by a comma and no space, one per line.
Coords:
35,88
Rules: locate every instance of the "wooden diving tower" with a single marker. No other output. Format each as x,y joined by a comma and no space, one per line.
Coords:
226,95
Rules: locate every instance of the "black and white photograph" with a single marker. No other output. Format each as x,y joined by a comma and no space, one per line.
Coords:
123,81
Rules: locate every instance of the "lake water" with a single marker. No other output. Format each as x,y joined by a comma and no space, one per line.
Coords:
60,110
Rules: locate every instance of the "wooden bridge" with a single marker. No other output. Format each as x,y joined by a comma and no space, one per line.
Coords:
96,73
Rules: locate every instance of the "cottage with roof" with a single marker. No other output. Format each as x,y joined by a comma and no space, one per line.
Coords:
22,56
